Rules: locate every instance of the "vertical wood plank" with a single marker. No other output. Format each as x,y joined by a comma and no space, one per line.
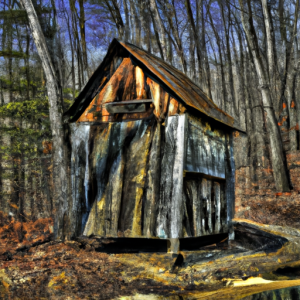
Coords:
153,184
116,185
192,204
209,207
223,212
170,213
165,104
168,153
79,165
113,178
136,161
230,182
214,157
155,89
200,212
204,215
140,83
106,176
221,160
187,230
217,194
196,208
205,151
177,190
209,151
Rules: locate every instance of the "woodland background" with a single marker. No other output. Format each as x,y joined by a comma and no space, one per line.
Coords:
208,40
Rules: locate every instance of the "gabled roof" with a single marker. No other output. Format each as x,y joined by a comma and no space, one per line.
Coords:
177,84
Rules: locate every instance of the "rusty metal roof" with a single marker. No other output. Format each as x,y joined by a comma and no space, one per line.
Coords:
174,81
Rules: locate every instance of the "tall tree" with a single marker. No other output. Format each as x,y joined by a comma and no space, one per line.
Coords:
60,159
158,28
276,148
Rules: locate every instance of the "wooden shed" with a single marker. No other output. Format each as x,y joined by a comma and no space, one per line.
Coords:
152,155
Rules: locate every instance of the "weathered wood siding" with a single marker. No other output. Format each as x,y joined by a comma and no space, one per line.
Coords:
129,180
230,183
206,209
205,149
133,192
159,173
204,183
170,207
79,176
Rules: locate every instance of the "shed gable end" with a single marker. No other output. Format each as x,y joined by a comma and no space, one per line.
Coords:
129,95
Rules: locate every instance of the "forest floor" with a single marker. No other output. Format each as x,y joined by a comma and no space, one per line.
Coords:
262,258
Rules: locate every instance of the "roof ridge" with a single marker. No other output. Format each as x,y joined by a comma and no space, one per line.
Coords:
173,80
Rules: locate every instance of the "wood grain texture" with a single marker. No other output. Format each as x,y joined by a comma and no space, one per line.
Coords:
207,206
156,91
126,82
230,182
170,215
137,156
205,149
120,154
80,206
194,202
153,184
173,107
177,189
217,193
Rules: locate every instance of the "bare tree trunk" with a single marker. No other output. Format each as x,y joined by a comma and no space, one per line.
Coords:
127,25
145,24
224,91
137,20
255,122
270,48
276,148
136,33
6,167
10,60
169,50
117,17
60,159
73,56
205,56
174,27
228,56
26,61
293,65
192,70
197,42
77,44
248,103
239,83
293,70
79,68
159,27
83,41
